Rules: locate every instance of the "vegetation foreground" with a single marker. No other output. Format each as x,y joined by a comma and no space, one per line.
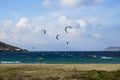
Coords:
56,72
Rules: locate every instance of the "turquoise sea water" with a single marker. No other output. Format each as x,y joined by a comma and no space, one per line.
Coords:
60,57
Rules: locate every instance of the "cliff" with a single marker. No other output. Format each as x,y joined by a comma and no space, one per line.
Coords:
112,49
9,48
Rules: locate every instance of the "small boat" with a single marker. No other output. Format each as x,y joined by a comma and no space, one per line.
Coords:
104,57
40,58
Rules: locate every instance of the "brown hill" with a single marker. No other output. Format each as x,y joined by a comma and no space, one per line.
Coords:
9,48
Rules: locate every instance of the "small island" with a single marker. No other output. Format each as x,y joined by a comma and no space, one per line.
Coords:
112,49
9,48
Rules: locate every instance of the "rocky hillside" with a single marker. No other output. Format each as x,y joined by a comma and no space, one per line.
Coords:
9,48
112,49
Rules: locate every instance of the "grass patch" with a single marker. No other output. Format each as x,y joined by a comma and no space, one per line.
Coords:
51,72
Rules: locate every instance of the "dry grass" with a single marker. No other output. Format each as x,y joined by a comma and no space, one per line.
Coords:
55,71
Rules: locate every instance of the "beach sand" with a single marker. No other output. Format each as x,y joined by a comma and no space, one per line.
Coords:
80,67
45,71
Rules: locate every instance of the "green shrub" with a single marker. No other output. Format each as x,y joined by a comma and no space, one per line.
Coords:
1,78
36,79
52,78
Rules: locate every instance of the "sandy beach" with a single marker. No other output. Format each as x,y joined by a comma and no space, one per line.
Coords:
58,71
80,67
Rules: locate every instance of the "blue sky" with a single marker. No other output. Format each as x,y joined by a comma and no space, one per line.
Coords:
95,24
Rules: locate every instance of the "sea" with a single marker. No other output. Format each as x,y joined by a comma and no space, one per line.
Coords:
60,57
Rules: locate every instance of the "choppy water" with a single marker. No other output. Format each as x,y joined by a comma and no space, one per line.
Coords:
57,57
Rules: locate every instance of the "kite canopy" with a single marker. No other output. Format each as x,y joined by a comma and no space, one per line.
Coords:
67,42
57,36
44,31
66,28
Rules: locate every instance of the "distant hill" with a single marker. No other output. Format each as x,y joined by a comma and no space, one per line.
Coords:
9,48
112,49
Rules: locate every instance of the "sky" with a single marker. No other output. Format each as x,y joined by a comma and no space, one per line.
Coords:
95,24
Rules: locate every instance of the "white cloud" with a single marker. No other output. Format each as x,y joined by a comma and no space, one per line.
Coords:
80,27
37,30
5,26
3,36
69,3
30,33
23,26
23,22
7,23
99,1
64,21
76,3
96,35
84,25
46,3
